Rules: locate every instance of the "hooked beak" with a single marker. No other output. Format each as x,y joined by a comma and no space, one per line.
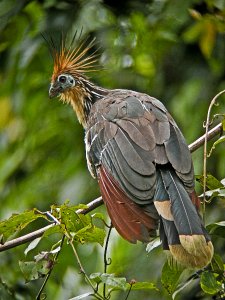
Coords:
54,90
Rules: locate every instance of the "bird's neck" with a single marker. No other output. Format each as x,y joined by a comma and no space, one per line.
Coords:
82,97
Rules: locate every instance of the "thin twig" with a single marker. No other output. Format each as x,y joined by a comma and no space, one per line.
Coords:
106,261
49,273
128,293
97,295
52,217
98,202
207,124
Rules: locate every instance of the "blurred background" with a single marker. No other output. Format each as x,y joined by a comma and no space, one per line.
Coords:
173,50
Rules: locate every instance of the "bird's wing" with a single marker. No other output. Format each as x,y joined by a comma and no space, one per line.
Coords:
130,137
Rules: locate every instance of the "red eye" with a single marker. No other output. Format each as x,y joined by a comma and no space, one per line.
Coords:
62,78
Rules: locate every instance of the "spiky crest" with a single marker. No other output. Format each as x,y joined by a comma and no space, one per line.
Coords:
73,60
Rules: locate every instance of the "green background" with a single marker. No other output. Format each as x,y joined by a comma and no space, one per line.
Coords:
172,50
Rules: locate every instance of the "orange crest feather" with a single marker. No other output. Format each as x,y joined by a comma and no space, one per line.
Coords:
74,60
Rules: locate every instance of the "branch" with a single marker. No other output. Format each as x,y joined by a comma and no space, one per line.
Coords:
98,202
35,234
210,135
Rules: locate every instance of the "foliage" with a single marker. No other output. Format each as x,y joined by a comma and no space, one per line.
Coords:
173,50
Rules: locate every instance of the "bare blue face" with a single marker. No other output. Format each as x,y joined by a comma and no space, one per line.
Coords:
63,83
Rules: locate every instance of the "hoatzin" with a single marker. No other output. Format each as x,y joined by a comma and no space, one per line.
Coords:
139,156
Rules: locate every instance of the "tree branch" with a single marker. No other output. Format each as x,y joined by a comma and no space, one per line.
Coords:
210,135
37,233
98,202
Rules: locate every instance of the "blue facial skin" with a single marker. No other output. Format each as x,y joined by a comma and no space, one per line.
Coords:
63,83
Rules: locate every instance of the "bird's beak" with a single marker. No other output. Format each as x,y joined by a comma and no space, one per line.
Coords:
54,90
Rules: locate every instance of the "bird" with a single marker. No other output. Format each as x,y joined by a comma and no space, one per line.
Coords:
138,155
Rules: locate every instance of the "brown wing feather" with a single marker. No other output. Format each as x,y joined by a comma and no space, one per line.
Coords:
129,219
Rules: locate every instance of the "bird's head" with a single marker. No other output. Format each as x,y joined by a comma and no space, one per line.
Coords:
70,66
69,81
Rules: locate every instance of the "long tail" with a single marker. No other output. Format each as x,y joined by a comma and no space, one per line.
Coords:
181,228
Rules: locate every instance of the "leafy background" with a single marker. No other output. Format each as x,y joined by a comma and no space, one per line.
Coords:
173,50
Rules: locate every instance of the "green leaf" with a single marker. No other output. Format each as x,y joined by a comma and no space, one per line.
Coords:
110,280
217,263
79,226
70,219
90,234
85,219
33,270
29,270
212,182
220,140
96,277
170,276
17,222
80,206
209,284
40,266
215,193
217,229
52,230
144,286
118,282
137,286
98,216
217,188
